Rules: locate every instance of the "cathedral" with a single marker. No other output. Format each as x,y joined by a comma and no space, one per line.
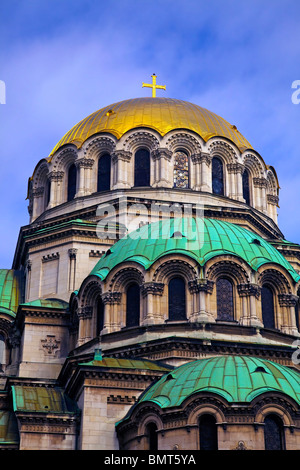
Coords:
152,302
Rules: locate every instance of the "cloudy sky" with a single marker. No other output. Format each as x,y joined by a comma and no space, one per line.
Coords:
63,59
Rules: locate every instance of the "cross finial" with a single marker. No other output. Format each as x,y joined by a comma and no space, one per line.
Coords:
154,86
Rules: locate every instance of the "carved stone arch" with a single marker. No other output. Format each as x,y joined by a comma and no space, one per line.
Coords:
184,141
149,416
89,292
123,277
98,146
253,165
224,150
279,405
272,184
228,267
64,158
198,405
74,306
174,267
40,174
140,139
275,279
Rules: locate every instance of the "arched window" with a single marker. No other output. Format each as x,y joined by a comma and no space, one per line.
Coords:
100,316
181,170
72,178
217,176
151,433
142,168
104,166
133,305
246,186
267,307
225,305
208,433
177,300
48,192
273,431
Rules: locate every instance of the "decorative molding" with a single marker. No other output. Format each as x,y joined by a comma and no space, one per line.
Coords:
56,175
248,289
50,344
96,254
155,288
260,182
84,163
121,155
72,253
287,300
159,152
49,257
111,298
198,285
85,312
235,168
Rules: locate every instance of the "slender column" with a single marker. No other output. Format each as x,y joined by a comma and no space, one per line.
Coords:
272,202
201,288
56,178
84,166
161,158
85,315
205,172
260,185
72,268
38,199
121,160
112,320
196,160
235,191
288,303
150,292
250,292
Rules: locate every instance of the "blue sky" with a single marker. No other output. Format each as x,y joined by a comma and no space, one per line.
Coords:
63,59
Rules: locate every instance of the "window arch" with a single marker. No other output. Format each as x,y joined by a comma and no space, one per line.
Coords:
152,437
177,299
208,432
104,169
225,303
133,305
72,180
273,433
267,307
142,168
217,176
181,170
246,186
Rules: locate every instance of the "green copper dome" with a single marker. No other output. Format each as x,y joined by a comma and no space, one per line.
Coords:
235,378
198,238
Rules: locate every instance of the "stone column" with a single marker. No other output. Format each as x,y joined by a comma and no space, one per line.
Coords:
151,292
122,173
235,190
272,204
72,268
288,303
112,320
162,175
260,185
84,166
250,294
85,315
205,172
196,173
201,288
37,202
56,196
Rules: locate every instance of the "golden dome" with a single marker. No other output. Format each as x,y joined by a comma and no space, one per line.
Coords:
160,114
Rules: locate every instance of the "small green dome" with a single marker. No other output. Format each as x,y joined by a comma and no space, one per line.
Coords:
235,378
198,238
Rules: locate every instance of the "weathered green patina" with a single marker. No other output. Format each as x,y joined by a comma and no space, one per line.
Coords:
238,379
198,238
11,290
42,400
48,303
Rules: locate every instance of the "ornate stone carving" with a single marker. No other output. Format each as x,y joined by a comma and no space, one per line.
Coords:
155,288
111,298
72,253
161,153
246,290
38,192
56,175
121,155
84,163
85,312
235,168
272,199
287,300
50,344
51,257
198,285
260,182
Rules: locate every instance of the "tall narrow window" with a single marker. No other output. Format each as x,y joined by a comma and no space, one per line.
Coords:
267,306
208,433
133,305
151,433
72,178
48,192
142,168
225,306
177,300
246,186
217,176
104,165
273,431
100,316
297,314
181,170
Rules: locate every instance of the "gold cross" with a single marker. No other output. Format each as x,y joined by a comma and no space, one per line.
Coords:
154,86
